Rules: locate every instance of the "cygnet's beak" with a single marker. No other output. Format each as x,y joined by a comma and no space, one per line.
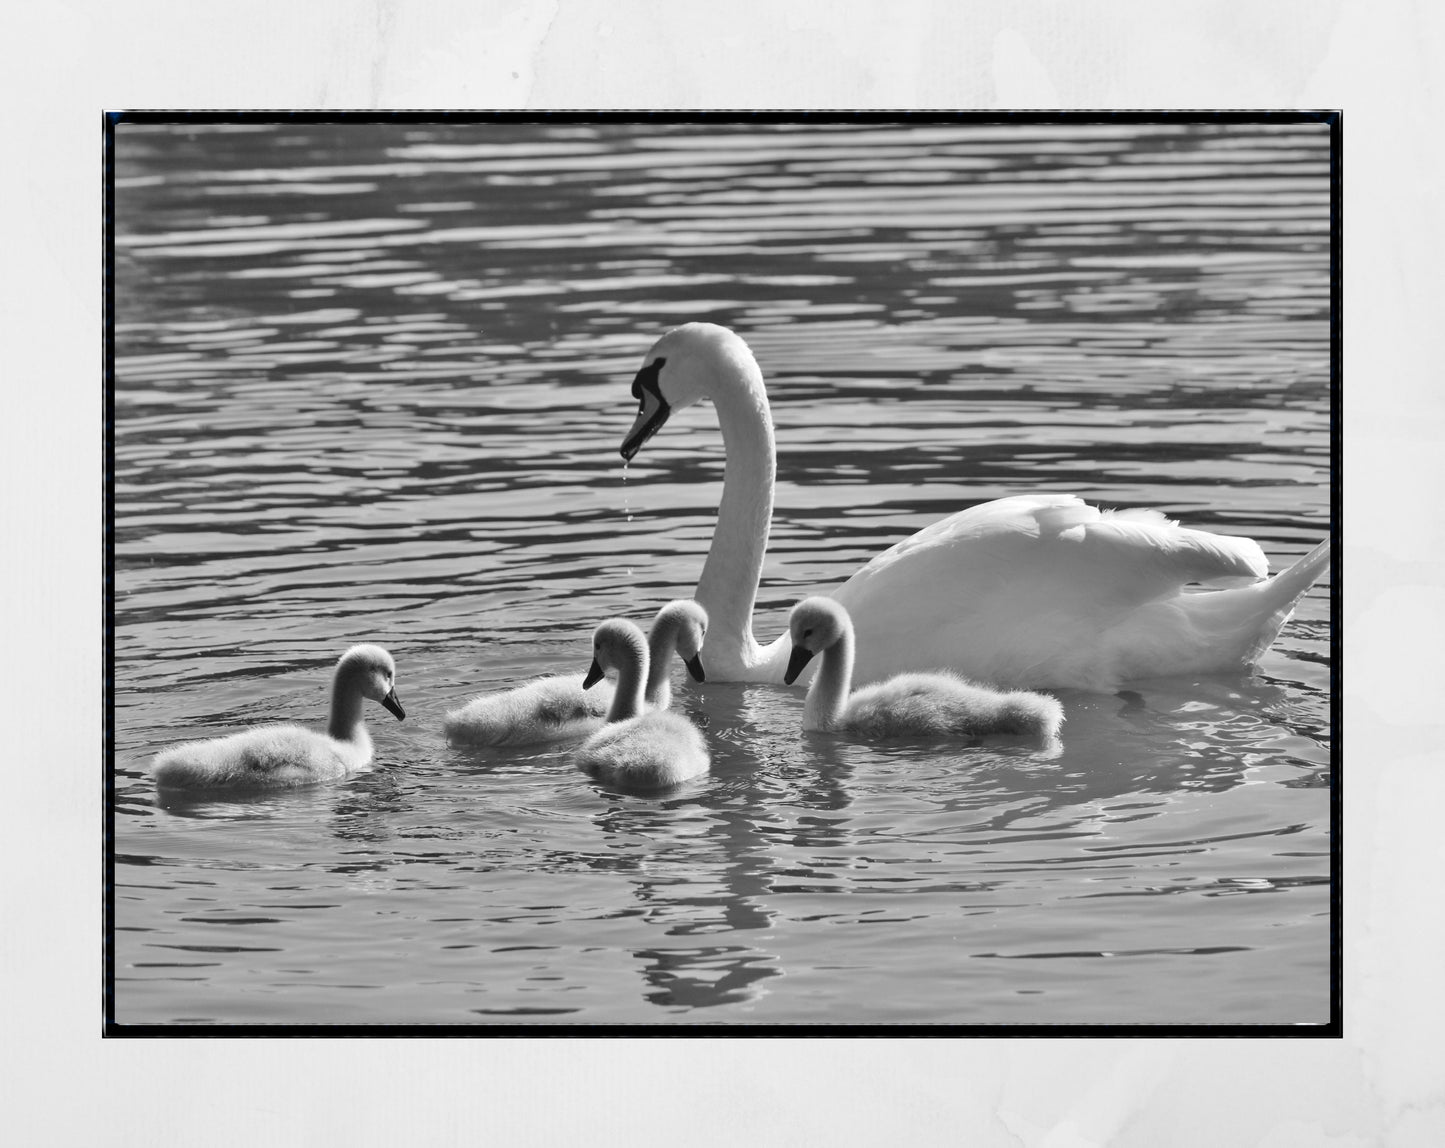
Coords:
394,706
694,667
652,409
801,657
594,675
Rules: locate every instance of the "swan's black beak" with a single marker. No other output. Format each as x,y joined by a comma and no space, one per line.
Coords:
394,706
652,408
801,657
594,675
694,667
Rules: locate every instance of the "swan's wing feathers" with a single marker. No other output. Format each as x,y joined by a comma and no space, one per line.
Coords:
1061,543
1157,556
1004,520
1139,514
1012,590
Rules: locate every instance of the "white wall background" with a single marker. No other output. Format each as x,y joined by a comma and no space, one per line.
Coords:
62,63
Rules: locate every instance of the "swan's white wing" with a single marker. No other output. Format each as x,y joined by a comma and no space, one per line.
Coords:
1130,554
1002,590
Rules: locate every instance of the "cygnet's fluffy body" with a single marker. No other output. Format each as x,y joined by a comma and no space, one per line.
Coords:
553,708
934,704
651,751
636,750
277,756
942,704
558,708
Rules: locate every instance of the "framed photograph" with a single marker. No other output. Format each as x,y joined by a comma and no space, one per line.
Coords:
742,574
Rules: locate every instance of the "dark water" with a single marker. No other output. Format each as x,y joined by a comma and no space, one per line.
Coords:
371,381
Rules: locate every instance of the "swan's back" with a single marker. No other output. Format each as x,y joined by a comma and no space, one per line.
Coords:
651,751
548,709
1046,590
943,705
266,757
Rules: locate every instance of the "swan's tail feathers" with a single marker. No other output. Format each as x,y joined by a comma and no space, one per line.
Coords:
1288,585
1282,592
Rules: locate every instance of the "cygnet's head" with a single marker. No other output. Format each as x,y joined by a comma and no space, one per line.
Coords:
814,625
373,670
689,622
687,364
615,644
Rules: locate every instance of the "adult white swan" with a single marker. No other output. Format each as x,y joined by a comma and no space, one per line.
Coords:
1031,591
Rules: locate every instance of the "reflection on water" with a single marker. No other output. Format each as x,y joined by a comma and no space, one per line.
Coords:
371,381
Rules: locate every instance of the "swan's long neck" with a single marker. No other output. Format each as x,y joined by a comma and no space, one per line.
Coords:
346,704
728,585
828,695
631,672
661,644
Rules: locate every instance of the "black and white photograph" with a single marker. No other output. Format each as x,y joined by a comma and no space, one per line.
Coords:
729,573
647,573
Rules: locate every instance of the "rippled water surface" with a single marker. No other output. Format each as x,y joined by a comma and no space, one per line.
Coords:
370,385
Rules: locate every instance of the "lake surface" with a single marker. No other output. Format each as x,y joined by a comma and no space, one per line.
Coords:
370,385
